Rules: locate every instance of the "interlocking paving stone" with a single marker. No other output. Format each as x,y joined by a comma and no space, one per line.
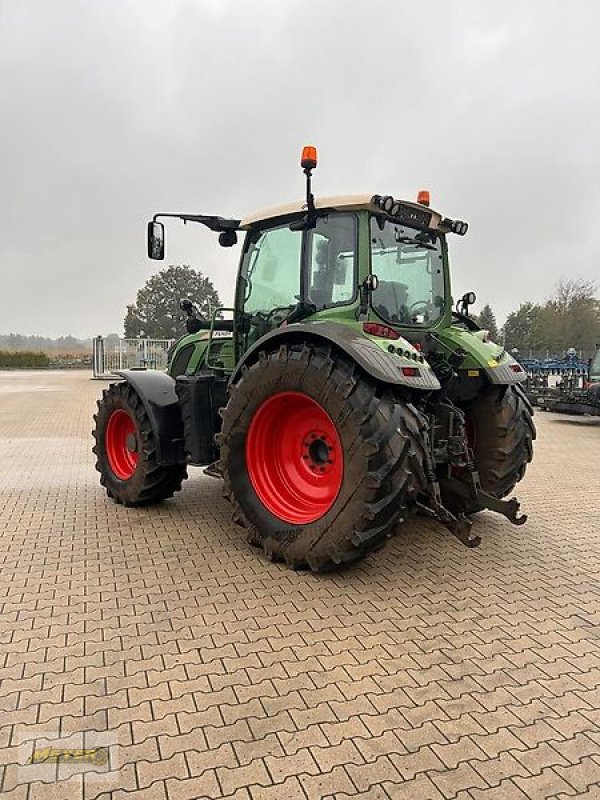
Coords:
426,672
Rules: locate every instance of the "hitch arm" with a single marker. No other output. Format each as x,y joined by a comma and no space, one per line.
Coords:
508,508
459,526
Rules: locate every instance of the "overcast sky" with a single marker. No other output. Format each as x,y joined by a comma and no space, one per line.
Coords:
112,110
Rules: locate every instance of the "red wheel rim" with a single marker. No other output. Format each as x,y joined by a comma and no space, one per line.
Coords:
294,457
121,444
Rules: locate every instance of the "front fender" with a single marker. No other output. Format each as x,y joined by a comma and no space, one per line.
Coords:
156,390
384,367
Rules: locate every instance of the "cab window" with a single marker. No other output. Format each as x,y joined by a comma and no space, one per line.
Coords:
409,265
331,248
271,270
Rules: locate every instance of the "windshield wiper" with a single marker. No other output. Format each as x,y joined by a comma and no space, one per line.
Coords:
416,242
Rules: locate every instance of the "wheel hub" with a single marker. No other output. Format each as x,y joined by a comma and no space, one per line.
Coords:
318,452
294,457
121,443
131,443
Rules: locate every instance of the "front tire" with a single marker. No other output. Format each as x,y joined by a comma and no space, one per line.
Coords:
319,463
125,451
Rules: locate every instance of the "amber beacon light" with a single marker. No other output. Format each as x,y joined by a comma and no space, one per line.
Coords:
309,157
423,197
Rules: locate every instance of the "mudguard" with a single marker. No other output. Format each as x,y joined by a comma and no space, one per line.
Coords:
507,373
156,390
383,366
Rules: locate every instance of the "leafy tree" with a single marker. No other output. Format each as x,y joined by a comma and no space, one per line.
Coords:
571,317
521,330
67,343
112,339
156,314
487,320
16,342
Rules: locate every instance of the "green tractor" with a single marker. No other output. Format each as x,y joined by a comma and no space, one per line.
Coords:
342,394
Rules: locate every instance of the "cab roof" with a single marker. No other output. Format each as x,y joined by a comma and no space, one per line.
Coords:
350,202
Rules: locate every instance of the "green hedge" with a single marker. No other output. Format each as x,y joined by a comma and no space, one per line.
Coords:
23,360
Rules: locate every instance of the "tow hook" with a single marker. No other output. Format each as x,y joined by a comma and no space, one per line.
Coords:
459,526
508,508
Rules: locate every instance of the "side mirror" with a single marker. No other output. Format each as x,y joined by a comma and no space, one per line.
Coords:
370,283
156,241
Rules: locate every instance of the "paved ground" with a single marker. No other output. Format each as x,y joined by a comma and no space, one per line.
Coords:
174,662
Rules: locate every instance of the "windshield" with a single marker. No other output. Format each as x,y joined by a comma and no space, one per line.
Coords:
408,263
595,366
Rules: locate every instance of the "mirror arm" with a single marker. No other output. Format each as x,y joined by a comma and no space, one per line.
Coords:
212,222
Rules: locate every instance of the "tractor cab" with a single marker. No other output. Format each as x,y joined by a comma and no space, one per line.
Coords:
368,261
354,262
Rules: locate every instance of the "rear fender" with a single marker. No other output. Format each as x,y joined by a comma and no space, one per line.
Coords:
384,367
156,390
491,359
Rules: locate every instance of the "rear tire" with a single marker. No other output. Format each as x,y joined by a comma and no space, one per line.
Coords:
501,433
125,451
301,419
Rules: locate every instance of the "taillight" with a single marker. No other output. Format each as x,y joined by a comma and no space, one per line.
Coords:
516,368
411,372
383,331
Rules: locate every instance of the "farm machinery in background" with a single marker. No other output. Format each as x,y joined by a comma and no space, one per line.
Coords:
566,386
344,393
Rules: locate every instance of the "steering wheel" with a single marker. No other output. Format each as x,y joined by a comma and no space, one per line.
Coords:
424,303
278,310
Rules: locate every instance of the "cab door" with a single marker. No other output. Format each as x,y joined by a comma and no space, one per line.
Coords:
269,283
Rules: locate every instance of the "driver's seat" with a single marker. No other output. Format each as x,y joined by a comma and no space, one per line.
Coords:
390,300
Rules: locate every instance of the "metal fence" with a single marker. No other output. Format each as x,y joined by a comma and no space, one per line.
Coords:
109,356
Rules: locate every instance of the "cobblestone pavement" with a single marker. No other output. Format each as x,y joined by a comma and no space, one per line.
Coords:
172,661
